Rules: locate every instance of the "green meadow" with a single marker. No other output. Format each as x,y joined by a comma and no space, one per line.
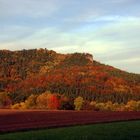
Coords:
129,130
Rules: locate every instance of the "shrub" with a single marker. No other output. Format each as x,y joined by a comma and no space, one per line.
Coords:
99,106
131,106
138,105
19,106
66,104
16,106
86,106
109,106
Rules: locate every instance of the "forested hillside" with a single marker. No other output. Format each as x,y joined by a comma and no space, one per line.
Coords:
33,72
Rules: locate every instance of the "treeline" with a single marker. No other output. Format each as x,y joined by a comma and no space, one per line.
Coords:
55,101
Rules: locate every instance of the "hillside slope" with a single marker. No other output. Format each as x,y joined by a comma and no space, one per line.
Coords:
27,72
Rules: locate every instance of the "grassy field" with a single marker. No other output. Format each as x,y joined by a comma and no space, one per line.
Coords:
108,131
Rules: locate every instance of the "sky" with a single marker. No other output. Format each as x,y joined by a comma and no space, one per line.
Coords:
108,29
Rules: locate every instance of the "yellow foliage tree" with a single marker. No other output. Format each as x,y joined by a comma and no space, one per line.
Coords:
78,102
131,106
31,101
42,100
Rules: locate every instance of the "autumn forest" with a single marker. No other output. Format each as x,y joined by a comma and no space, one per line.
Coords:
44,79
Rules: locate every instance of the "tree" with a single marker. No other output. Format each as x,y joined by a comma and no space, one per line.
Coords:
47,100
42,100
66,103
109,106
131,106
5,101
78,102
52,102
31,101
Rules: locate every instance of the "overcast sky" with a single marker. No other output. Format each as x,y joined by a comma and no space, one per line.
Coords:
108,29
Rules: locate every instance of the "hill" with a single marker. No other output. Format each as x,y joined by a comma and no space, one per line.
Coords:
27,72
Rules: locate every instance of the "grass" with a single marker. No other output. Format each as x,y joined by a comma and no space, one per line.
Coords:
108,131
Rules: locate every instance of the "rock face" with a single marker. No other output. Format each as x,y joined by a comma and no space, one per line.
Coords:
89,57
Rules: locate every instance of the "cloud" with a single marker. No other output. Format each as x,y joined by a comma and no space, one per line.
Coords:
81,11
14,32
29,8
118,36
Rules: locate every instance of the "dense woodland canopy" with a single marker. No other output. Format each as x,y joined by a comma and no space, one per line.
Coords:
33,72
